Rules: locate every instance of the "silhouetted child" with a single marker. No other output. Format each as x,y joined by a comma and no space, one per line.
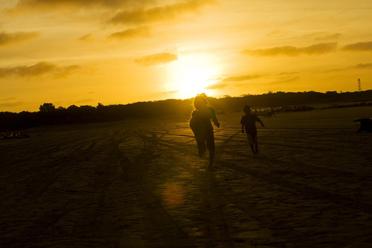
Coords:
365,125
248,122
201,126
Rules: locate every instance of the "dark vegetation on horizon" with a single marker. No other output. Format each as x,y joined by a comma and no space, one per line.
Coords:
278,102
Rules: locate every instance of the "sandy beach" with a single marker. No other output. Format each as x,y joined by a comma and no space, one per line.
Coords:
126,184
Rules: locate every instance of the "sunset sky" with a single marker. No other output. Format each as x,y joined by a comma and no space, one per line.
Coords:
121,51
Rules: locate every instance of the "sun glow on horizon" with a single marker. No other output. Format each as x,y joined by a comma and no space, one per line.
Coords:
193,74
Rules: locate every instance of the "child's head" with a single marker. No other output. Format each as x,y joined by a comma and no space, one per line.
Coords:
247,109
200,101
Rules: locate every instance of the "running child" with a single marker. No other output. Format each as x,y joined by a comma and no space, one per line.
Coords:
248,122
201,126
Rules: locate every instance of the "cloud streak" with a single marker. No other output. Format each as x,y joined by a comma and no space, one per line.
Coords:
131,33
240,81
327,37
217,86
160,13
156,59
11,38
359,46
10,104
226,81
320,48
363,66
283,80
58,4
241,78
38,69
86,37
275,81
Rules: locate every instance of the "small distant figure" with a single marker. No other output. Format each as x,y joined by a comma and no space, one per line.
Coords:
201,126
248,122
365,125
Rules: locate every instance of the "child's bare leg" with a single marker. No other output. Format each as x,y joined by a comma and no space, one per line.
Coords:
211,158
201,146
211,147
256,148
252,148
257,144
251,142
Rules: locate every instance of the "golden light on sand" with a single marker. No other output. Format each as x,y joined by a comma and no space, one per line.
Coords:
192,74
173,194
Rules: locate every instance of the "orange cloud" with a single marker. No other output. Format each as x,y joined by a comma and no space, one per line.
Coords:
58,4
360,46
241,78
38,69
239,81
10,38
285,79
86,37
327,37
320,48
131,33
10,104
364,66
275,81
225,82
160,13
217,86
155,59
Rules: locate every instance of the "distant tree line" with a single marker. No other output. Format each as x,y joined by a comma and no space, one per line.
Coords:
48,114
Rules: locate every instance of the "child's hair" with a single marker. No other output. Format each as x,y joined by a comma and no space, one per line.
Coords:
200,101
247,109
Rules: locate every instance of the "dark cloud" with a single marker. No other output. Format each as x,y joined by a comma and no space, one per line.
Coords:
155,59
39,69
320,48
160,13
360,46
10,38
131,33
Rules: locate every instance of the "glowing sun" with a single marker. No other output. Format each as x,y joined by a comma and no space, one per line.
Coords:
192,74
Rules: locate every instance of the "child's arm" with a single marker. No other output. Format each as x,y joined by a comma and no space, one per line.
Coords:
259,120
214,118
242,123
